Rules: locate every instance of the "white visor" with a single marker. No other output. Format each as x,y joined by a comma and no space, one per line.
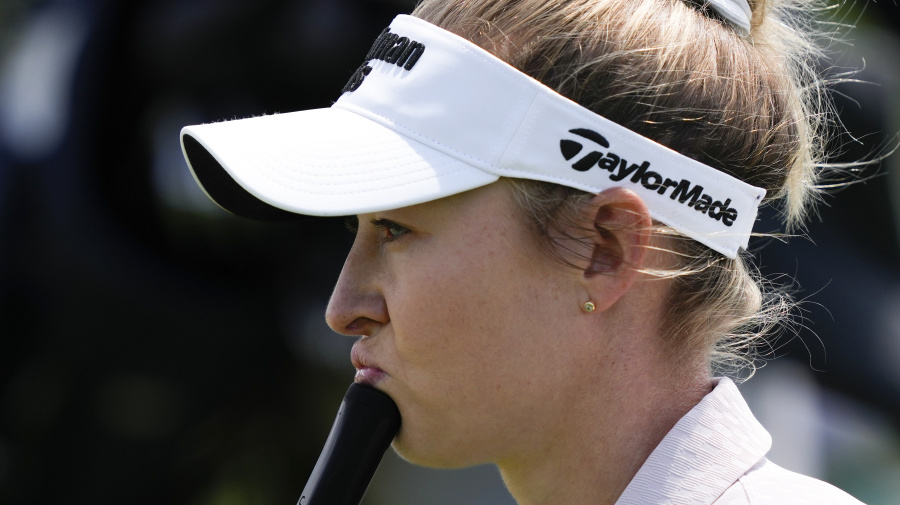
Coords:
429,115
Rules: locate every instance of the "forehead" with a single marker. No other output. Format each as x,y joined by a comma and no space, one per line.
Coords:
491,203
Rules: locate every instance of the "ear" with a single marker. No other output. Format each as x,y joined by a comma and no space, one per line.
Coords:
620,239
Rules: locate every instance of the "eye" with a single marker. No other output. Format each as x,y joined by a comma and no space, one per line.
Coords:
389,231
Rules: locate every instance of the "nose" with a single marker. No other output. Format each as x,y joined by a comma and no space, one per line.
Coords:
357,306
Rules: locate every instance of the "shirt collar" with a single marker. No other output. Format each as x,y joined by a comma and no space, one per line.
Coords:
706,452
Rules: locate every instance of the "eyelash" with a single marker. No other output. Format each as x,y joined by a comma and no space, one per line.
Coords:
389,231
352,224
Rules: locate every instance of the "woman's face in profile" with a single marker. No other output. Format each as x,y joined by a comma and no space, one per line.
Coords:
464,323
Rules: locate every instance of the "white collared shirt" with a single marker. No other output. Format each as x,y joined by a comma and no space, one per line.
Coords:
715,455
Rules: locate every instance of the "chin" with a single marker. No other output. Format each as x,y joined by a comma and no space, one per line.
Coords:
432,453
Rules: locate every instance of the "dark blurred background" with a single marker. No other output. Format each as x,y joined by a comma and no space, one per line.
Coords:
155,349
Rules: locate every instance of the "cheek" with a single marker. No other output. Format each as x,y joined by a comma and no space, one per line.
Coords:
469,328
452,348
451,312
474,336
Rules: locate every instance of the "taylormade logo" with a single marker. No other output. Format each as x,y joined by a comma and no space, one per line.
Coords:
685,191
391,48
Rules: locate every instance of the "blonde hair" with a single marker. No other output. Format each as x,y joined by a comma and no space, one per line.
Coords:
752,106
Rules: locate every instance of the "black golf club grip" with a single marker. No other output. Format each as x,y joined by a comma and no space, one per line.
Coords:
365,425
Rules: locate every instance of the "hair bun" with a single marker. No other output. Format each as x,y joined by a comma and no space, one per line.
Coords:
736,13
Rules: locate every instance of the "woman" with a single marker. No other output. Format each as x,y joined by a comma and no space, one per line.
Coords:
551,199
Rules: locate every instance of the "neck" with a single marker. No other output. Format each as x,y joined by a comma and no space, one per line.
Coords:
600,443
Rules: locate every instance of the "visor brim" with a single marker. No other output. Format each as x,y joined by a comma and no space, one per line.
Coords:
320,162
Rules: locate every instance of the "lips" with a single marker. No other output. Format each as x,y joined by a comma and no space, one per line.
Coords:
367,372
